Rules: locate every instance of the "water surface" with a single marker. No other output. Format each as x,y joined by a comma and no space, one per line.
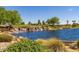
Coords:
65,34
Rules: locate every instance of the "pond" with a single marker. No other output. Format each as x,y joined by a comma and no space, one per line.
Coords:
65,34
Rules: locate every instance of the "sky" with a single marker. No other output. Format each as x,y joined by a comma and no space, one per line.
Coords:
34,13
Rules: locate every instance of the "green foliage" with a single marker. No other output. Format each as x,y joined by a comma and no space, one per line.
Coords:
39,22
78,44
56,45
53,20
29,23
22,23
43,23
5,38
53,44
9,16
67,22
26,46
74,23
20,26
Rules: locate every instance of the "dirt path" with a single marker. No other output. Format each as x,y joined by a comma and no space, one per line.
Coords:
3,45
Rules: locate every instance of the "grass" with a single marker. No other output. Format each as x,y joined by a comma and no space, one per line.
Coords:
20,26
54,44
42,42
5,38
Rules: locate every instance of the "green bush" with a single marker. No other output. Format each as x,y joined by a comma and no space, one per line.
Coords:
5,38
26,46
78,44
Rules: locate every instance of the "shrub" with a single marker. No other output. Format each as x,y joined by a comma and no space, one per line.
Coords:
53,44
77,43
42,42
56,45
5,38
26,46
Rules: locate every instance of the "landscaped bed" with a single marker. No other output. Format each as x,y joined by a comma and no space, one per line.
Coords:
9,44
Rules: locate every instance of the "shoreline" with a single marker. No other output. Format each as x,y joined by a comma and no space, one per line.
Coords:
67,44
13,31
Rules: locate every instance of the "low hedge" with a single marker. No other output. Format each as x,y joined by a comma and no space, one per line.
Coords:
26,46
5,38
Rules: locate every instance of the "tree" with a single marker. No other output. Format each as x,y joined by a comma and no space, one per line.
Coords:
53,20
22,23
39,22
43,22
2,11
9,16
29,23
74,23
67,22
15,17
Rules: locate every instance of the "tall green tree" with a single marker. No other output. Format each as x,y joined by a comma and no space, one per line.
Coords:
2,12
53,21
9,16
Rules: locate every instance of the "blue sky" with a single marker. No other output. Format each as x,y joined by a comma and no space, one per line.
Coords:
33,13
